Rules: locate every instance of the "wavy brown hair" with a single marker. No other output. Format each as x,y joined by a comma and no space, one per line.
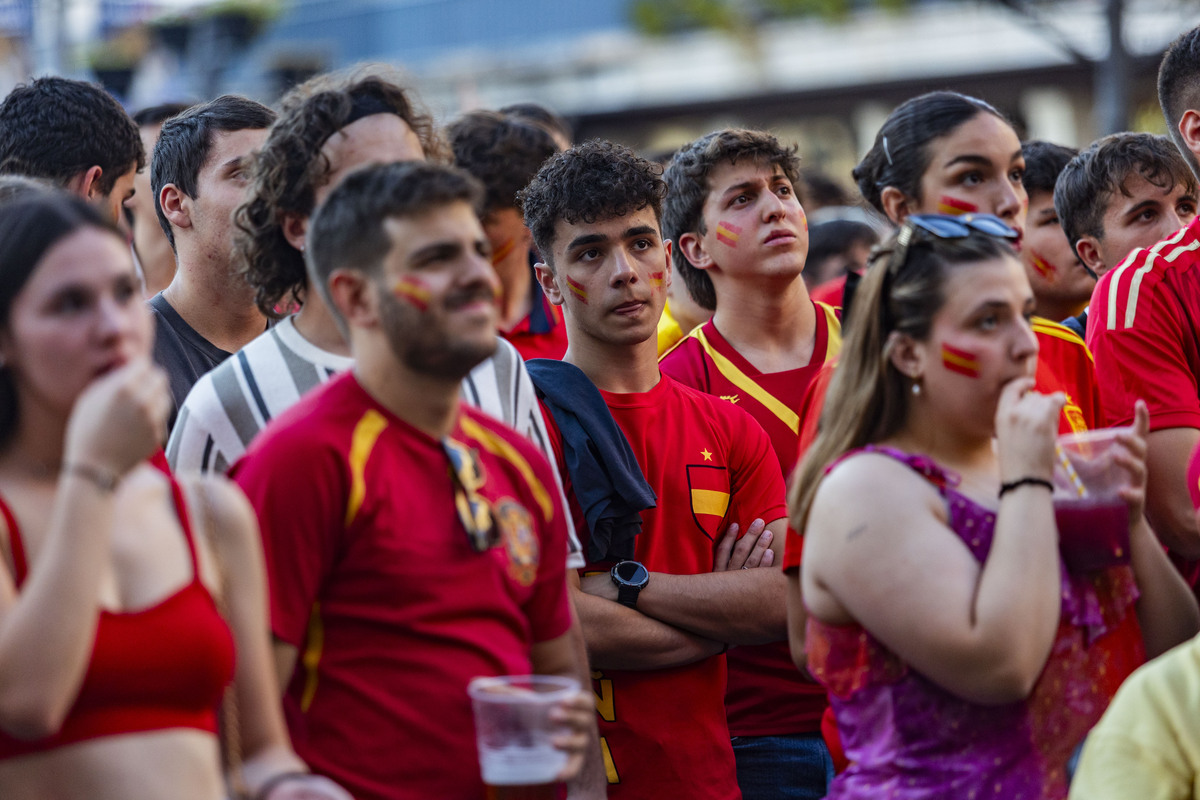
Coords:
290,167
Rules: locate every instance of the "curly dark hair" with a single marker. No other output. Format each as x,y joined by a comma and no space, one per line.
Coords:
290,167
504,153
594,181
687,189
1179,88
56,128
1089,181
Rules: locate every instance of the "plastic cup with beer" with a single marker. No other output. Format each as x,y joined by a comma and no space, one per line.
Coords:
1093,520
515,733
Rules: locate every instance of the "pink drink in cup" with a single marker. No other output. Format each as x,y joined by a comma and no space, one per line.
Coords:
1093,520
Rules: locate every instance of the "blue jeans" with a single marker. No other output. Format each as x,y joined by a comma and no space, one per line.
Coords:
783,767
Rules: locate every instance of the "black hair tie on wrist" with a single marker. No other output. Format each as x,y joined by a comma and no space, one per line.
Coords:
1005,488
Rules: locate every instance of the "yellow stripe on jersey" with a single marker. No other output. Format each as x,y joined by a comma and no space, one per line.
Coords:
498,447
1058,331
362,442
833,327
747,384
310,660
1135,284
833,344
708,501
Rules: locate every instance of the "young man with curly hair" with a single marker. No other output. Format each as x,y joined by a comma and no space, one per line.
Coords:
327,128
662,477
741,239
504,153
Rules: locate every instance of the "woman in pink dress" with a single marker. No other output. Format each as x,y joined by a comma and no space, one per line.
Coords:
963,660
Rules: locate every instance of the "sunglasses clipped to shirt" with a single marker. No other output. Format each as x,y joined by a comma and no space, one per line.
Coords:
474,511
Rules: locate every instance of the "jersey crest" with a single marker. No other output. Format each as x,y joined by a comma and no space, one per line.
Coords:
520,542
708,486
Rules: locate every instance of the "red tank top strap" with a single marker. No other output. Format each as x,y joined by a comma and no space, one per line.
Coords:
15,543
185,521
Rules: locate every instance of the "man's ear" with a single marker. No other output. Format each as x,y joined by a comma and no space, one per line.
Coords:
85,184
295,229
906,354
549,283
353,296
896,204
1088,250
691,244
175,206
1189,129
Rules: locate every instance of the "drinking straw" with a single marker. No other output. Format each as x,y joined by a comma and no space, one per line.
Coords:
1071,473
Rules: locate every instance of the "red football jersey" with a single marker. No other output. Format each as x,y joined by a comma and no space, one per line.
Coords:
1065,365
705,361
664,733
374,580
1143,333
542,334
767,695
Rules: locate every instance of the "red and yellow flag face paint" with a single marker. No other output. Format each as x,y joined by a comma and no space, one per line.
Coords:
577,289
503,251
804,220
414,291
656,279
1043,267
728,233
963,362
952,205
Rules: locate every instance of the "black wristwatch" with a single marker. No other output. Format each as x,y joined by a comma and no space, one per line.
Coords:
630,577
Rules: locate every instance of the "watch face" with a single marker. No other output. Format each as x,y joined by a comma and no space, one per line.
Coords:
633,573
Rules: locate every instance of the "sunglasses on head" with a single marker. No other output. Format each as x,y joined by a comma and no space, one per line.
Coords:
474,511
921,227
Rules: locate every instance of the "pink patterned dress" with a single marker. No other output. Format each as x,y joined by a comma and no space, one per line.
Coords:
908,738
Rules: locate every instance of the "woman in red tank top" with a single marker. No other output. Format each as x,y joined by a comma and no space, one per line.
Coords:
113,654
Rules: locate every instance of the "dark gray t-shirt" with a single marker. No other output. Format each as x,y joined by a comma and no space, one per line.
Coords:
183,353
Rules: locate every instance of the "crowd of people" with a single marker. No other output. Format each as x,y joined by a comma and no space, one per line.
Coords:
311,414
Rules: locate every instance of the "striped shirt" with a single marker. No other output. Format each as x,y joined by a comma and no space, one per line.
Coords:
228,406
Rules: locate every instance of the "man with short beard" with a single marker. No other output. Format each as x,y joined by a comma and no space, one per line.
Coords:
412,542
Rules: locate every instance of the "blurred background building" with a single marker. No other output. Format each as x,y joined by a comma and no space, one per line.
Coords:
650,73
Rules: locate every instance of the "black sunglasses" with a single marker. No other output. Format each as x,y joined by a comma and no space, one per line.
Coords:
474,511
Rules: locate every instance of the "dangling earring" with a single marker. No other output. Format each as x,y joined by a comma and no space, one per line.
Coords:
916,387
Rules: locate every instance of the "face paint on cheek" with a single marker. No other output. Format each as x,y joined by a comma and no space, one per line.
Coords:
414,291
503,251
1043,267
963,362
656,279
804,220
577,289
952,205
728,233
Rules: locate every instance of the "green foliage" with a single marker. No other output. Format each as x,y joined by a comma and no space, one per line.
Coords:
740,18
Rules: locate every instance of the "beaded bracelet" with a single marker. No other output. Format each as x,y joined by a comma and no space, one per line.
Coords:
1005,488
102,479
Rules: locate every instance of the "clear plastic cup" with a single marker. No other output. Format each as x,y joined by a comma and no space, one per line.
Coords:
514,731
1093,520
